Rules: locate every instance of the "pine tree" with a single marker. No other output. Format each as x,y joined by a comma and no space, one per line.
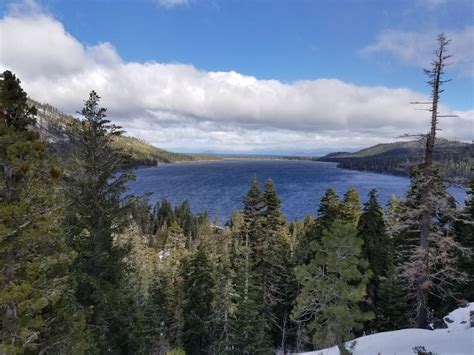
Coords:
252,215
393,213
198,293
94,216
169,287
328,212
161,310
141,261
376,249
38,312
16,112
275,268
351,207
235,221
329,209
391,307
333,285
465,237
223,306
163,215
250,325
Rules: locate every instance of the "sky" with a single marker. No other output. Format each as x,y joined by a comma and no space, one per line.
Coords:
246,76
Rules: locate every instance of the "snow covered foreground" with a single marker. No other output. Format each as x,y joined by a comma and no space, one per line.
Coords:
457,339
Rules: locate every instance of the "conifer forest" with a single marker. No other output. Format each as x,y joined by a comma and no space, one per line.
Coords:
88,269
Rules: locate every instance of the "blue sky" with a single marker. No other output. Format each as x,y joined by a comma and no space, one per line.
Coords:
361,43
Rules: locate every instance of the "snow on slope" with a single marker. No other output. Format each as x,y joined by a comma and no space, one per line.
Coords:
457,339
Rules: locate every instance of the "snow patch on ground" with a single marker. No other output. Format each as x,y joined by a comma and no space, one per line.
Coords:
457,339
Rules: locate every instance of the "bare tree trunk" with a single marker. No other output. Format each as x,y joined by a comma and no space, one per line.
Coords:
299,337
435,82
342,349
283,332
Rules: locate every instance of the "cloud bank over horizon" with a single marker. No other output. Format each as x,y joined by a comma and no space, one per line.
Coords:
180,107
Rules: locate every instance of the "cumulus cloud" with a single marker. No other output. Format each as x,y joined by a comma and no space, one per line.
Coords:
178,106
416,48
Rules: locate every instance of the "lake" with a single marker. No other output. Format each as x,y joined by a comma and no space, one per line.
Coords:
220,186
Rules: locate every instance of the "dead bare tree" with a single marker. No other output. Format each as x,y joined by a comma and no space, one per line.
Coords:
429,269
435,81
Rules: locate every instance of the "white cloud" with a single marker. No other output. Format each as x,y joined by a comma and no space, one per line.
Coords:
416,48
178,106
168,4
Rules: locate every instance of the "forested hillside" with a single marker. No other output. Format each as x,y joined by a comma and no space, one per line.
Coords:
54,126
456,159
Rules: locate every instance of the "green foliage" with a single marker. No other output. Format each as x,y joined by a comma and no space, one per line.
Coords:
329,209
252,213
390,307
251,325
465,236
351,207
38,312
198,293
223,306
377,250
372,230
94,215
14,109
164,215
333,285
275,267
328,212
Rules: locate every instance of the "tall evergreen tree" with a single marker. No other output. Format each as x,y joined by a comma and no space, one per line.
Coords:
169,287
224,298
465,236
277,268
141,261
16,112
94,216
252,213
351,207
328,211
162,308
376,249
198,293
38,313
333,286
250,326
390,308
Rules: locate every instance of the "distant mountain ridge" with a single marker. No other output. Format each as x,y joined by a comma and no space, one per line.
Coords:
53,125
455,158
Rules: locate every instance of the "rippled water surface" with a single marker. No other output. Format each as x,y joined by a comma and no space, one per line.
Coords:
219,186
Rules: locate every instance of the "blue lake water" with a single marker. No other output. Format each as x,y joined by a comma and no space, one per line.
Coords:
220,186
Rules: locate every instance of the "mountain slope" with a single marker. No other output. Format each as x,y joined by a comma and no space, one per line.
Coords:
455,158
53,127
